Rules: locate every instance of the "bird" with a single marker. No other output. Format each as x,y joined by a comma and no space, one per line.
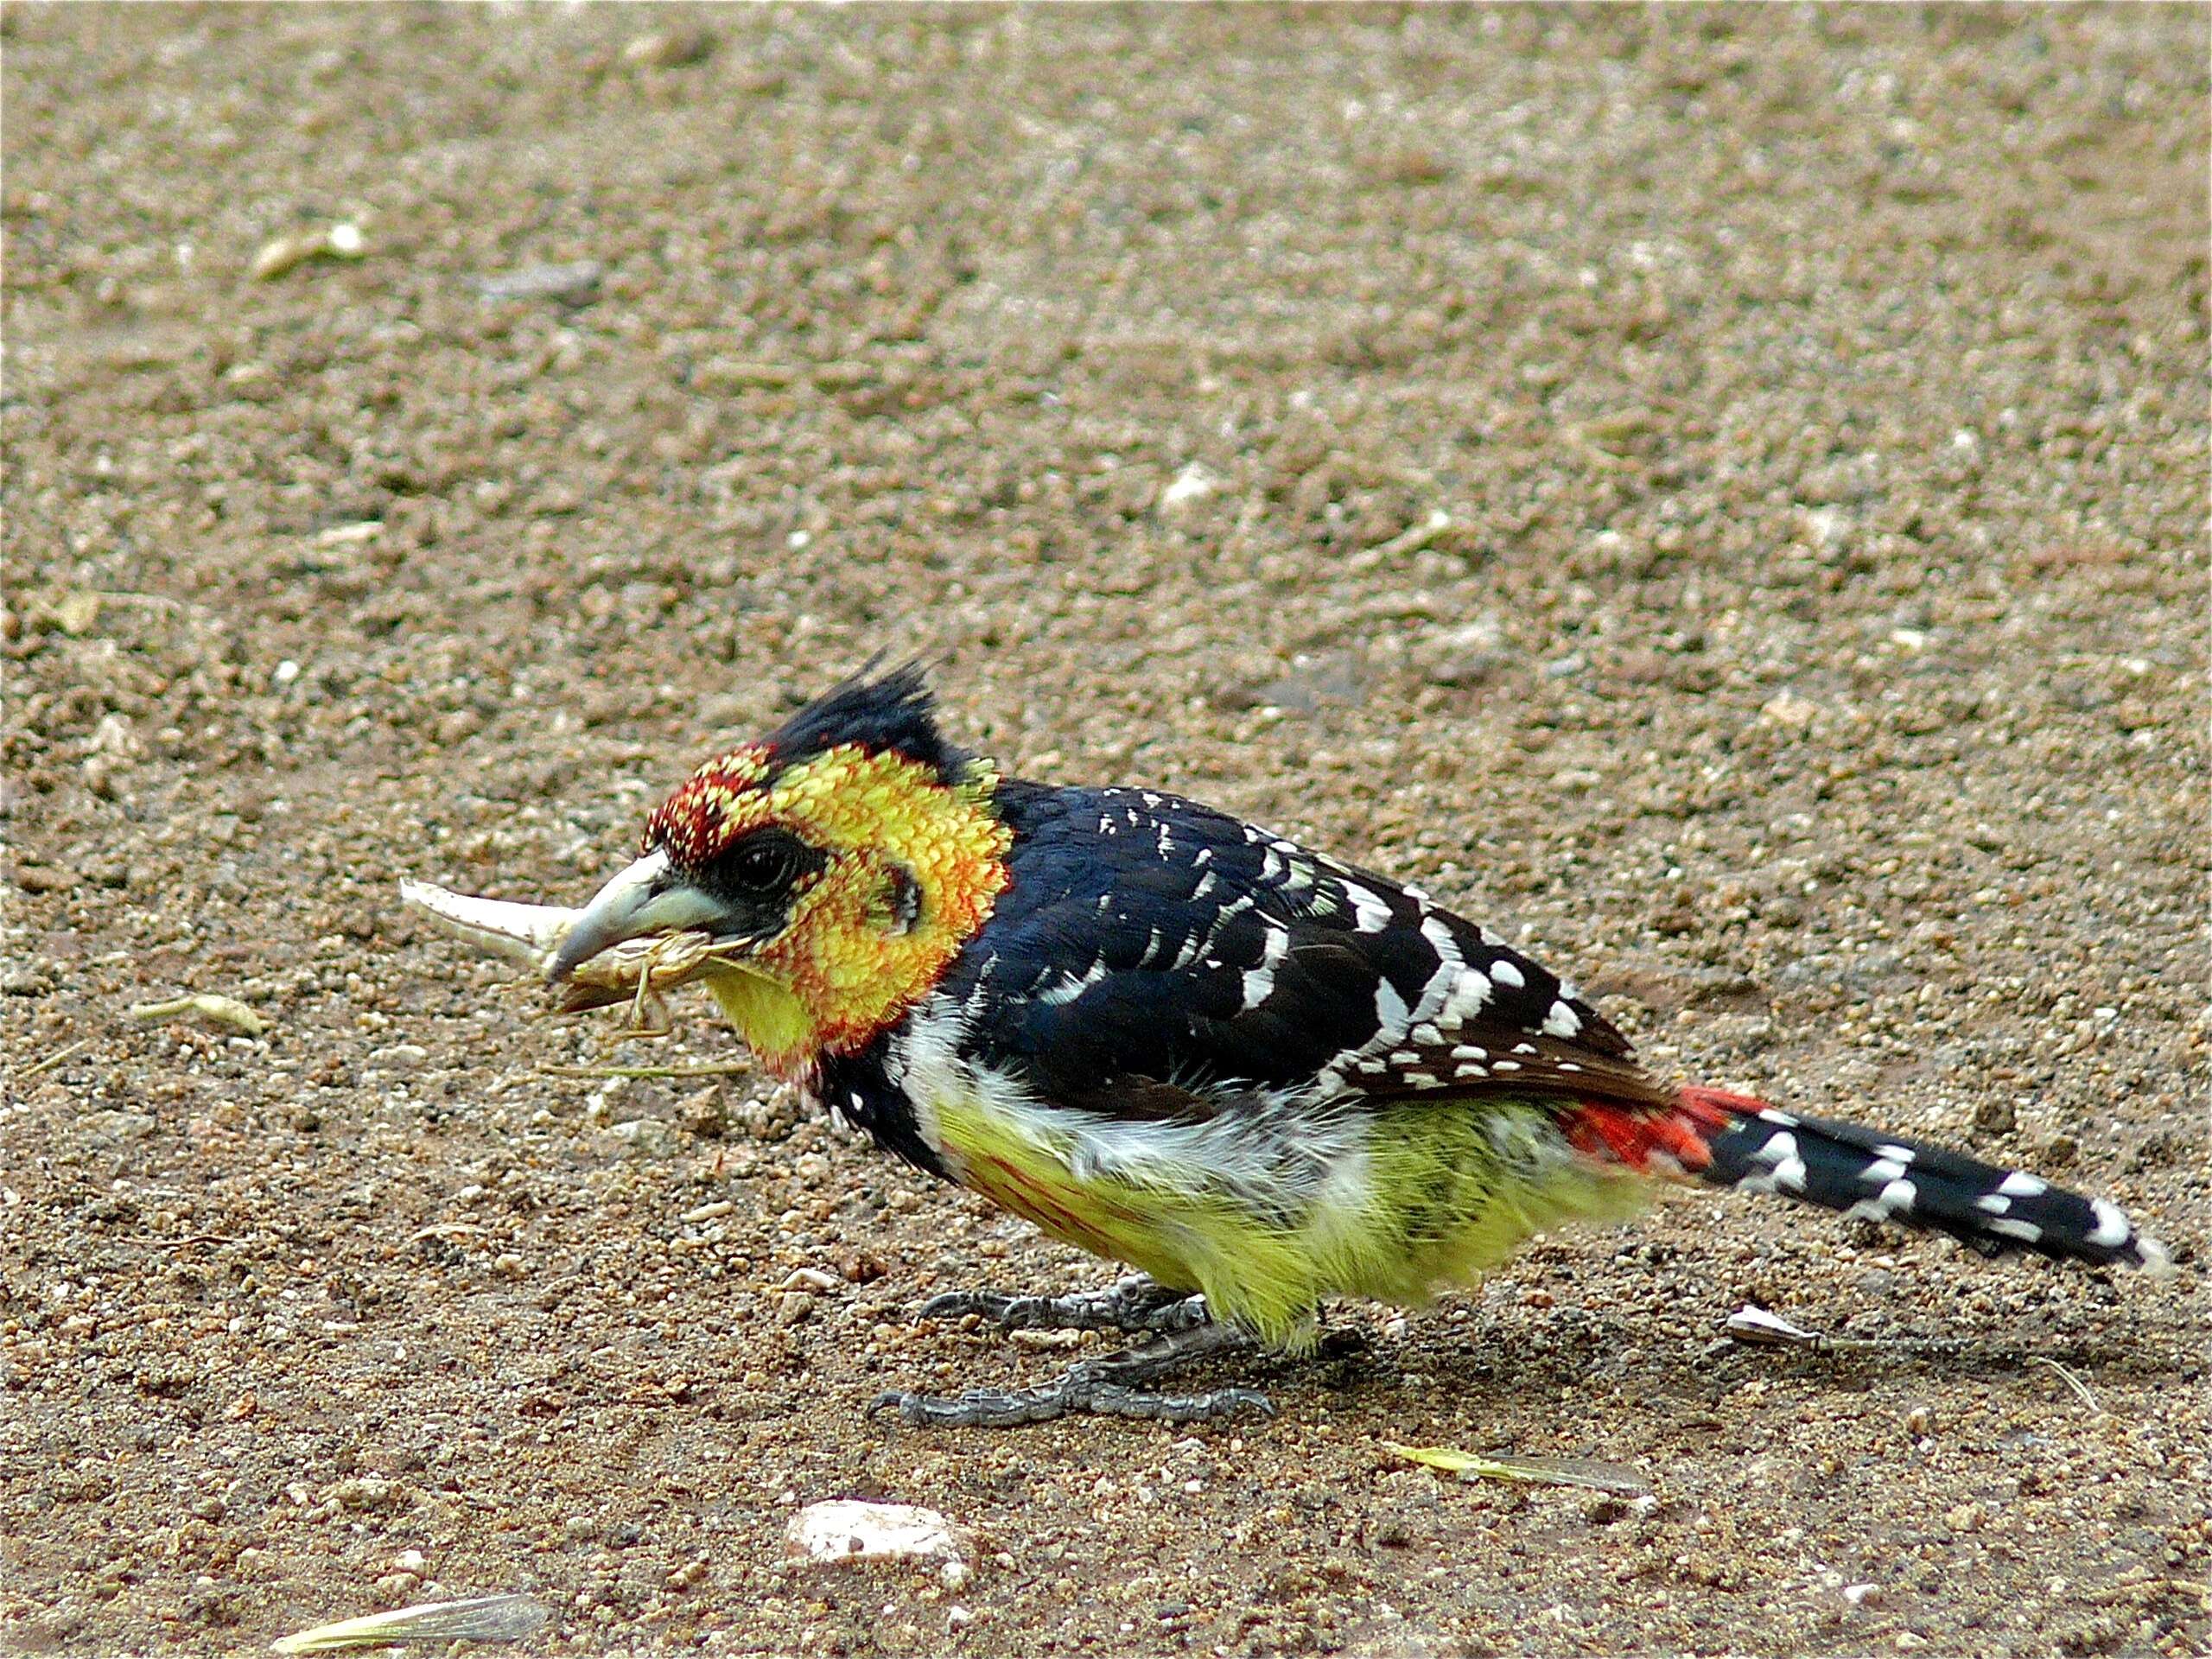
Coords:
1258,1076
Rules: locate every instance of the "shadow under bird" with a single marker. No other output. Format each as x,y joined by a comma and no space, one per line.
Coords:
1258,1076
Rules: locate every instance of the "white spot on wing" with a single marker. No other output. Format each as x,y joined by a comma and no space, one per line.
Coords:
1369,913
1436,993
1561,1021
1260,981
1469,993
1390,1012
1070,988
1506,974
1435,929
2021,1184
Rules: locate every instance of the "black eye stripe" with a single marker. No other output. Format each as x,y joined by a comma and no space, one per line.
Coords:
769,860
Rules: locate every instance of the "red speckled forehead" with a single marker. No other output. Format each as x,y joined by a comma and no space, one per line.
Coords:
711,807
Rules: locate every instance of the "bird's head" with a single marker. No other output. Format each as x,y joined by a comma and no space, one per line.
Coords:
847,856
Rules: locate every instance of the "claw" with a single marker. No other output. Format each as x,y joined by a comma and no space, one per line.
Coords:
958,1304
1136,1304
1095,1385
1013,1407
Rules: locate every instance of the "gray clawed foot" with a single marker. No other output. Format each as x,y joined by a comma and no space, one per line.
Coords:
1135,1304
1103,1385
1008,1407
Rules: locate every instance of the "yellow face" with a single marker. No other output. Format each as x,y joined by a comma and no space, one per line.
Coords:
858,874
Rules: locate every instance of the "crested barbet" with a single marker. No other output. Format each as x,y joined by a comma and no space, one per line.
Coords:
1258,1076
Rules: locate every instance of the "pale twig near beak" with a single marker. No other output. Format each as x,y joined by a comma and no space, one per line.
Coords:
634,969
526,933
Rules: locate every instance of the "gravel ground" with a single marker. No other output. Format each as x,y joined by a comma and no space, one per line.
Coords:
1717,492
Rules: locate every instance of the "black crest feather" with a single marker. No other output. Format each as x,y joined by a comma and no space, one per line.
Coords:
895,711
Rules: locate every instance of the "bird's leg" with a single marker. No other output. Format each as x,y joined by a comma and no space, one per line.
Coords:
1107,1385
1135,1304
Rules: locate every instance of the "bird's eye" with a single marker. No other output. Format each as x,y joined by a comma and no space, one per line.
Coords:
760,863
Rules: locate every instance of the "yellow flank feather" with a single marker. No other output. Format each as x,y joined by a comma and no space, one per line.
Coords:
1439,1192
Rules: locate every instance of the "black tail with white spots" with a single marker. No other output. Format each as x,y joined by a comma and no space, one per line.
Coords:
1911,1184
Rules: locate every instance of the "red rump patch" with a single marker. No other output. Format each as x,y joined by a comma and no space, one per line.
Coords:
1683,1132
1716,1107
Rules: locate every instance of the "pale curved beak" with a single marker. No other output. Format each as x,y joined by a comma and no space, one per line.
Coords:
646,899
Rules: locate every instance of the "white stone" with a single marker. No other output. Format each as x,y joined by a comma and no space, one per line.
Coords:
1193,483
848,1529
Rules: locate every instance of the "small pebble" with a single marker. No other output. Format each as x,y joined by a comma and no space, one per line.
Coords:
847,1529
669,48
572,284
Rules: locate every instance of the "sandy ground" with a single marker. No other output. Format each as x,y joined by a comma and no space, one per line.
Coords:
1808,657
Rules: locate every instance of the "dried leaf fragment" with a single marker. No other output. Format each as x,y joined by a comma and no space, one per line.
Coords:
478,1618
226,1011
1762,1329
288,252
1586,1472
